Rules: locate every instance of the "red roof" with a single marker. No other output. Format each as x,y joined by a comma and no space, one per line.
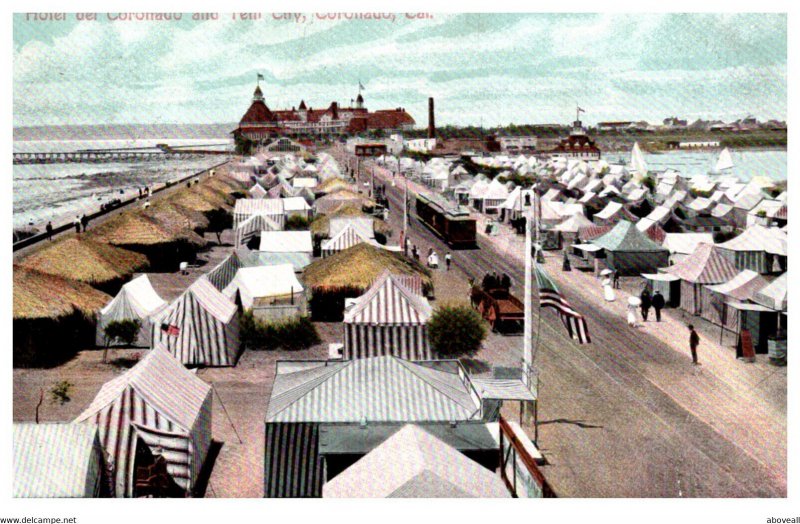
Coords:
577,144
258,113
389,119
587,233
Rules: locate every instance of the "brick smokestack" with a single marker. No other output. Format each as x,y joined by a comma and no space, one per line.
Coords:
431,120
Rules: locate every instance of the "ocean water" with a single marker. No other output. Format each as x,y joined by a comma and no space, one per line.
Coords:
747,163
58,192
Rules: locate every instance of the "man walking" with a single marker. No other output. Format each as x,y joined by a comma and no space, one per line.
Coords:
77,224
447,260
658,304
694,341
646,303
49,229
84,222
616,279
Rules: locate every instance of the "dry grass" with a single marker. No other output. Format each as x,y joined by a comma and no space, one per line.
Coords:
85,260
321,224
172,215
358,267
332,184
134,228
38,295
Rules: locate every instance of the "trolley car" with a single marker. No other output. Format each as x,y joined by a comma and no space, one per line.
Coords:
451,224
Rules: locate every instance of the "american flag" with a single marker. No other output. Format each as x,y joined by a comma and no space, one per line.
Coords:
550,296
170,329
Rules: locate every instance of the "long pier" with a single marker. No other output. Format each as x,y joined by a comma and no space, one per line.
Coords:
101,156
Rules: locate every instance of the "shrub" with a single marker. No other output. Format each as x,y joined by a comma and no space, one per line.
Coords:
297,223
122,331
218,221
291,334
456,330
60,392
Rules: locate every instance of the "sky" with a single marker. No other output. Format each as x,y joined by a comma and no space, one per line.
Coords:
482,69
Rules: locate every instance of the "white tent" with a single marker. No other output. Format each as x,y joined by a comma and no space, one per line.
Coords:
137,300
162,404
286,242
200,327
638,165
257,285
57,461
414,464
775,295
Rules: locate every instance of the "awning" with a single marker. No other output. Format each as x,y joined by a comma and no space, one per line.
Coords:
660,277
502,389
742,306
587,247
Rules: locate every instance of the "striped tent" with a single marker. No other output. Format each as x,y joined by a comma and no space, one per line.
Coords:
137,300
253,226
200,328
309,397
740,288
161,404
346,238
248,207
389,319
223,273
257,191
758,248
58,461
705,266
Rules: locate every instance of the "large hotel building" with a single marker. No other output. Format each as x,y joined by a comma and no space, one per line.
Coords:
260,123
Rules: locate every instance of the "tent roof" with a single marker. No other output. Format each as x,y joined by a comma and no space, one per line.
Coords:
625,237
286,242
389,301
347,237
759,238
686,243
212,300
377,389
295,204
774,295
705,266
364,225
163,383
611,209
260,206
742,286
573,224
53,460
422,466
140,295
264,281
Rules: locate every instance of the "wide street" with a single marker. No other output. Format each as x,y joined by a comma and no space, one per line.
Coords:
628,416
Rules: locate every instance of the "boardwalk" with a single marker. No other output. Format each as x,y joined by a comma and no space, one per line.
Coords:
628,415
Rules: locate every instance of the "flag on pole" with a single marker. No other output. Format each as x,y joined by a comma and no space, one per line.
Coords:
550,296
360,86
259,76
581,110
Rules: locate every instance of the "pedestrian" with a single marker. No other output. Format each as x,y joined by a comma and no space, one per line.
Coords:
49,229
448,260
631,315
406,246
616,279
486,283
608,291
505,282
414,252
433,260
77,224
646,303
84,222
694,341
658,304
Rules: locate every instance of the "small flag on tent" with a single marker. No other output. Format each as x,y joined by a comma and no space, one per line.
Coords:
550,296
170,329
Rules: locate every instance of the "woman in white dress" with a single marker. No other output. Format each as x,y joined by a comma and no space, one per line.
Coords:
633,305
608,291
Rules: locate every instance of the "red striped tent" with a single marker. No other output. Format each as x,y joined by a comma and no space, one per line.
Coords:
200,328
161,404
389,319
705,266
346,238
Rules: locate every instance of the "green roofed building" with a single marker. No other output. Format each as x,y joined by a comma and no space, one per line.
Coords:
631,252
